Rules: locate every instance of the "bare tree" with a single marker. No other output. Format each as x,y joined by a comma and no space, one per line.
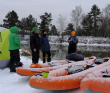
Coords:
62,25
77,16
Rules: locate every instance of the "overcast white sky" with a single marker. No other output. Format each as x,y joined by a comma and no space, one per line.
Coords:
38,7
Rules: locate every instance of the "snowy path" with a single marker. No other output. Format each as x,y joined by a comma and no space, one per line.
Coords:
13,83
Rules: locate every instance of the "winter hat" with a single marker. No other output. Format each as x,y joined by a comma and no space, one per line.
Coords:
35,29
73,32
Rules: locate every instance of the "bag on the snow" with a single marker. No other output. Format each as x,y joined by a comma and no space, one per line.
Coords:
74,57
75,69
55,64
91,65
99,61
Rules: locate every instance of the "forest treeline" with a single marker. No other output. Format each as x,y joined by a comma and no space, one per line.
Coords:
95,23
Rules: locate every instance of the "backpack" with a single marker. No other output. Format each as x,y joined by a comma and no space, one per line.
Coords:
99,61
75,69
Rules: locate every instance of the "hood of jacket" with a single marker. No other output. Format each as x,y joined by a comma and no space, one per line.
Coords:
14,30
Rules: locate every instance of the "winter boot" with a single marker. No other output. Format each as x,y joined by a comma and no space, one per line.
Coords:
33,65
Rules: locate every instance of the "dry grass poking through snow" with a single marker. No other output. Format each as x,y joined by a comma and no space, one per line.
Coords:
27,52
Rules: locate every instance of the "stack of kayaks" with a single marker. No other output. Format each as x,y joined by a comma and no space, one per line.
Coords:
60,79
49,67
92,75
97,82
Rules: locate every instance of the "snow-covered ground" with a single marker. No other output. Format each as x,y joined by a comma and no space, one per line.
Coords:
13,83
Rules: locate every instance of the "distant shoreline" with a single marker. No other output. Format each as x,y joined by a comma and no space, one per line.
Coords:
81,44
83,40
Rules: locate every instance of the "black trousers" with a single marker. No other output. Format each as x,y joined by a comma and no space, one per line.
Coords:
35,56
71,49
14,59
48,58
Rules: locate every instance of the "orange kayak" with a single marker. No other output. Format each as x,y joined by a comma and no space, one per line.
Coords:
96,82
63,81
32,71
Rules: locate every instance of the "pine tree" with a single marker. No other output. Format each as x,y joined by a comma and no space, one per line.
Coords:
91,21
11,19
53,30
69,28
45,21
26,24
30,22
87,25
95,12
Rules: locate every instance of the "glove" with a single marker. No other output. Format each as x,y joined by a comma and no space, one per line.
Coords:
72,39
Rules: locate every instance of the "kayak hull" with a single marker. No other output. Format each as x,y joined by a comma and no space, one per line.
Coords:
96,82
98,85
63,82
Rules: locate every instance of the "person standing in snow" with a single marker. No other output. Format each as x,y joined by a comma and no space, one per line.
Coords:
73,40
14,46
35,45
45,46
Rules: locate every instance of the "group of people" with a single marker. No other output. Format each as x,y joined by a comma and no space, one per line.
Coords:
36,44
39,43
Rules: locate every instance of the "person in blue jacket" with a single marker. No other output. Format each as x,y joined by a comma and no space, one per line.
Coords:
45,46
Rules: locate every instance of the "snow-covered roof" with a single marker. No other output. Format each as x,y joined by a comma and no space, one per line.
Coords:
2,28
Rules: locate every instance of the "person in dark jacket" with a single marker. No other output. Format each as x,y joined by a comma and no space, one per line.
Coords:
73,40
45,46
35,45
74,57
14,46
